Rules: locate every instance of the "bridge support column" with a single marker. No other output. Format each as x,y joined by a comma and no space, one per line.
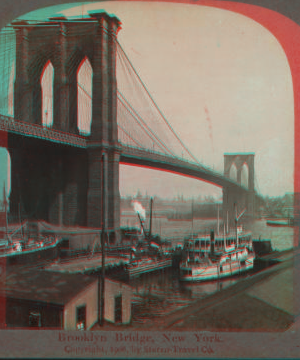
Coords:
113,197
75,187
15,203
243,198
23,92
56,194
238,198
30,183
251,204
101,83
103,192
97,179
61,86
228,206
104,131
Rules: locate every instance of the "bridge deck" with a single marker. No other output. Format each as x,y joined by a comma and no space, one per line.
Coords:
129,155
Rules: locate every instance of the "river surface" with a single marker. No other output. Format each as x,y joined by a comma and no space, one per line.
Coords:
160,293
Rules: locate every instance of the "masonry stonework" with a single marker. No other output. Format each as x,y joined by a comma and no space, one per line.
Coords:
79,185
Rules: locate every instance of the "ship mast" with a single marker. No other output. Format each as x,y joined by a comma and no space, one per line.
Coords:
237,218
150,225
227,222
224,236
218,230
193,225
236,225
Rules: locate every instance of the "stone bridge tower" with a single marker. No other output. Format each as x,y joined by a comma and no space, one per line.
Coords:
67,185
243,198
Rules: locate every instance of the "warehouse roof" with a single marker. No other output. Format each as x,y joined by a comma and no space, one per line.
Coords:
45,286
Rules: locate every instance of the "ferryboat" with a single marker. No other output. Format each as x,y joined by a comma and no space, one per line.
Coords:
209,258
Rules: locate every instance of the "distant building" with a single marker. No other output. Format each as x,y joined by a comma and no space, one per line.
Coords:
46,299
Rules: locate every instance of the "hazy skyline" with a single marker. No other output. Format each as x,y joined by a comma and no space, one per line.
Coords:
222,81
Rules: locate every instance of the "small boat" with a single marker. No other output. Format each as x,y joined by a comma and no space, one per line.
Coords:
209,258
18,249
16,246
143,265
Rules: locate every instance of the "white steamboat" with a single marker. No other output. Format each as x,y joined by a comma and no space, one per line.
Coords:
207,257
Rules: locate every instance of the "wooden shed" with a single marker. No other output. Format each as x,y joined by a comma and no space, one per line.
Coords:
46,299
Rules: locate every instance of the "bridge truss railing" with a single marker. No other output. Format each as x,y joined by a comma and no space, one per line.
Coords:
38,131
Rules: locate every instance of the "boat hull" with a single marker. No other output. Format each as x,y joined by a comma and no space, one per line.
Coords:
262,247
282,223
216,271
33,257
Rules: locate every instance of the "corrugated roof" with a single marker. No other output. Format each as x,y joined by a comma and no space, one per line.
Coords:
45,286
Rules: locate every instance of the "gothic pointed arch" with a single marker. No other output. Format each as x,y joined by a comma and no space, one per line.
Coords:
47,79
233,172
84,96
12,77
245,175
5,173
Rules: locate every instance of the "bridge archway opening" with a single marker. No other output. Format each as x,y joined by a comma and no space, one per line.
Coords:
84,96
245,176
233,172
47,79
5,172
12,77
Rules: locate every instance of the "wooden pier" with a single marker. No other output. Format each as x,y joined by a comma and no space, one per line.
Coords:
260,302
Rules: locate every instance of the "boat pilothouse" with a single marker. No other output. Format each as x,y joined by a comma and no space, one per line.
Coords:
207,257
201,244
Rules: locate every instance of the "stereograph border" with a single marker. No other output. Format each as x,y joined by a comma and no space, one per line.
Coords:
53,344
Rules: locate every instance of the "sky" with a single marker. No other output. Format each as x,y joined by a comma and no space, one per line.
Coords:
222,81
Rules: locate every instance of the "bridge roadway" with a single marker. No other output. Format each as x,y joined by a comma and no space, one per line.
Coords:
135,156
128,155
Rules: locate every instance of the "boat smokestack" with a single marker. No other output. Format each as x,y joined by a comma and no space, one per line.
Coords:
142,223
212,242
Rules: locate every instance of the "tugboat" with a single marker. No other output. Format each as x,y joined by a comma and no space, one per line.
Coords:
149,254
210,258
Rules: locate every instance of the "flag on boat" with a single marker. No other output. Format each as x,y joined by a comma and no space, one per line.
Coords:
154,244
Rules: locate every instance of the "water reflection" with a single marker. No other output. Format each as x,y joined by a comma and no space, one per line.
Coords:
282,237
161,293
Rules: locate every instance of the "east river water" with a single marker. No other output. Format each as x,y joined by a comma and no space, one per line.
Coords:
160,293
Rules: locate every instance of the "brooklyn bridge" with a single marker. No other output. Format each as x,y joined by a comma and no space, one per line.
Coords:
73,110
